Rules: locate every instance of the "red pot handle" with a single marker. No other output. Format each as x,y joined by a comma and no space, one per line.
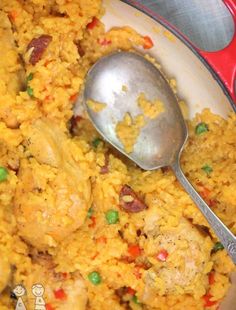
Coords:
224,61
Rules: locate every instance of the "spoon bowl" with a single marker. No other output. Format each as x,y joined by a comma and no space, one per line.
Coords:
161,139
117,80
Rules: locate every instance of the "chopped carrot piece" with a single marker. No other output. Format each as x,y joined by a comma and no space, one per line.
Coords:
60,294
148,43
134,250
93,23
162,255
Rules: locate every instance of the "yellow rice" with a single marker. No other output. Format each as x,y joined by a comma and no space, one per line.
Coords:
128,130
96,106
151,109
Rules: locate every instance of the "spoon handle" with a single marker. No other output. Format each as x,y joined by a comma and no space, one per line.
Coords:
225,236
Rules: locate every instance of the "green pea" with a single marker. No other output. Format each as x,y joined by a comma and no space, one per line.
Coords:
218,247
3,174
29,77
135,300
95,278
112,217
201,128
30,91
207,169
90,212
96,142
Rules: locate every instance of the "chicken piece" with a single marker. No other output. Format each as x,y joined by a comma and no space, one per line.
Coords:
5,272
180,255
53,193
60,291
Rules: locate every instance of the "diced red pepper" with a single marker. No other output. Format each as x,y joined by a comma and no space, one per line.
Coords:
101,239
162,255
207,301
49,307
60,294
104,42
93,23
211,278
130,291
93,224
134,251
73,97
148,43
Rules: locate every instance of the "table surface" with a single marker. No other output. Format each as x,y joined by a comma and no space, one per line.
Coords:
207,23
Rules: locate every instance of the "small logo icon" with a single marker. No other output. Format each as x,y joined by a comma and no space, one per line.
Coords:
19,291
38,291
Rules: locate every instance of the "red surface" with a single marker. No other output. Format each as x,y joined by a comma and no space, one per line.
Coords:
224,61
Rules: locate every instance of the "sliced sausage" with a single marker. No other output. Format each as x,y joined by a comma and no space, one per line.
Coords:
39,46
105,168
129,201
80,49
73,123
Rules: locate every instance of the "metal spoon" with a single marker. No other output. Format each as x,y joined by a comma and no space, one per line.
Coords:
161,141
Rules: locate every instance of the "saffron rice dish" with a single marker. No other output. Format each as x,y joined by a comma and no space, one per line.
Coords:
82,227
